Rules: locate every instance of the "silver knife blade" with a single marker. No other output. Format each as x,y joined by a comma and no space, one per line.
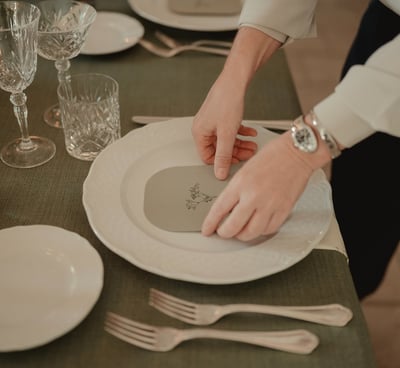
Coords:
271,124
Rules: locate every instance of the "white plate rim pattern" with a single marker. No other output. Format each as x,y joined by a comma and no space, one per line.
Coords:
112,225
157,11
86,284
133,31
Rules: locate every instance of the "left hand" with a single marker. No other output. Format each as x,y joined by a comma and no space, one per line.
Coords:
261,194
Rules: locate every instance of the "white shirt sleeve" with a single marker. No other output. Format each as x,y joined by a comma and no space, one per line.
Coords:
281,19
367,99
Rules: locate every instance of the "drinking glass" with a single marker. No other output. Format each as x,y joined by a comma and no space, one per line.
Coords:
90,114
18,61
63,28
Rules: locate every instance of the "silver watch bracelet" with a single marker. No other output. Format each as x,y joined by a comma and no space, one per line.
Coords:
325,136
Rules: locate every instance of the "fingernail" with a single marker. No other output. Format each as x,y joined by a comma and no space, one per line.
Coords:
221,173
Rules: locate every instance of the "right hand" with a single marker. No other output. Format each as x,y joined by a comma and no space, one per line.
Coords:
217,124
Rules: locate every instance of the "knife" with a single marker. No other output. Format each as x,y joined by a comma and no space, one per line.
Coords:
270,124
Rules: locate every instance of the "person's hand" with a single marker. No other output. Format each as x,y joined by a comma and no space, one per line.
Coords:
217,124
216,127
261,195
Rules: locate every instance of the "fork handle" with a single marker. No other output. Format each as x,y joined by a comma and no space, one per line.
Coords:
329,314
294,341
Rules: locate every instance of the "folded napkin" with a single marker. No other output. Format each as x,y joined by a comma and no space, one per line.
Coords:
205,7
332,239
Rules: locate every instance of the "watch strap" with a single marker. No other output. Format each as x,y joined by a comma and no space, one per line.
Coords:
325,136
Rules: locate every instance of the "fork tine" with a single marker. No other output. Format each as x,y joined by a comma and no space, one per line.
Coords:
166,309
130,335
173,307
130,322
131,326
183,304
126,335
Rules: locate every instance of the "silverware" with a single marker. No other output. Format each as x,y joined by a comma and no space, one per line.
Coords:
166,338
172,43
206,314
271,124
167,53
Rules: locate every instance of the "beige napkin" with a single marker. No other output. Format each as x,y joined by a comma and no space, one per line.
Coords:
179,198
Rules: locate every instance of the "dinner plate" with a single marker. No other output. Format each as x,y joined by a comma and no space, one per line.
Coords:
113,197
112,32
158,11
50,279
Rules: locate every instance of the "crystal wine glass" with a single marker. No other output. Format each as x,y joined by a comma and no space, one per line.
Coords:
63,27
18,61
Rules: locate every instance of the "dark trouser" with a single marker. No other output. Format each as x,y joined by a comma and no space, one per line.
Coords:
365,178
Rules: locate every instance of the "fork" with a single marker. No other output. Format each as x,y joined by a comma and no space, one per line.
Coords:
206,314
167,53
166,338
172,43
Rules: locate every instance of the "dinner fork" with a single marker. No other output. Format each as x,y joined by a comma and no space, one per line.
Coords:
167,53
206,314
172,43
166,338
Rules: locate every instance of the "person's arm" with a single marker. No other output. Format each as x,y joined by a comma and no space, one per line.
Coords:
367,100
284,20
263,192
217,123
264,26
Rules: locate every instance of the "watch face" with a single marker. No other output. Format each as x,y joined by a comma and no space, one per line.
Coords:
304,139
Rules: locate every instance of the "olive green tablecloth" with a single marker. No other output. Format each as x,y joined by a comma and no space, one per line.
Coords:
52,194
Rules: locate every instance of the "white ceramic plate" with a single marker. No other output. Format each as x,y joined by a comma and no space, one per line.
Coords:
157,11
113,196
50,279
112,32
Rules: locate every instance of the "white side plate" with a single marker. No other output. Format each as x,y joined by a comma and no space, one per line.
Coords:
50,279
112,32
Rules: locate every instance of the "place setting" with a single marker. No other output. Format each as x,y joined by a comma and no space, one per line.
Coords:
111,230
158,208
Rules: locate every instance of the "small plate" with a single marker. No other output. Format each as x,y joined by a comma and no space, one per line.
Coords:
159,12
112,32
50,279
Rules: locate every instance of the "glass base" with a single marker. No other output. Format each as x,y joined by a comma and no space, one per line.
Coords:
42,151
52,116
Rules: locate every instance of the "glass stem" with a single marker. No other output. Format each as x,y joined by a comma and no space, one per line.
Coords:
64,77
62,67
21,112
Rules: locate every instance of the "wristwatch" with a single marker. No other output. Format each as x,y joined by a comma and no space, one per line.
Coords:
303,136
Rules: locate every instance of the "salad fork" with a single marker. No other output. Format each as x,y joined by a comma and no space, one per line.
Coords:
163,339
206,314
167,53
172,43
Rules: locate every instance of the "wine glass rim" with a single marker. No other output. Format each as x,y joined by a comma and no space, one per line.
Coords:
35,18
89,21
